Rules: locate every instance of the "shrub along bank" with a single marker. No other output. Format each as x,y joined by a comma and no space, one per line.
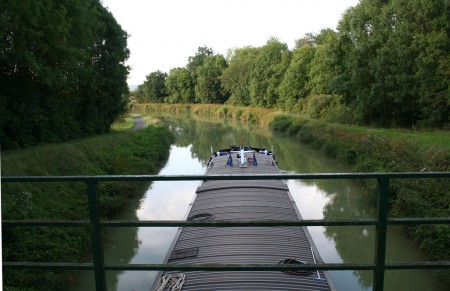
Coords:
254,115
370,151
140,152
263,117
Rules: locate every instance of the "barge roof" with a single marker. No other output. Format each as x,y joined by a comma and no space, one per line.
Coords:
245,200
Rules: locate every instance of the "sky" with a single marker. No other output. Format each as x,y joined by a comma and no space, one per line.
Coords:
163,34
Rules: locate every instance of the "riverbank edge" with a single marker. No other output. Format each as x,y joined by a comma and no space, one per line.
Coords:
363,150
119,153
373,152
264,116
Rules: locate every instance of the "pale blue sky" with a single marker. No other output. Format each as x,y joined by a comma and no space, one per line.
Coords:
163,34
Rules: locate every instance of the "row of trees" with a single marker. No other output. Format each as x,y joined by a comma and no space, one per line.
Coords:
387,64
62,71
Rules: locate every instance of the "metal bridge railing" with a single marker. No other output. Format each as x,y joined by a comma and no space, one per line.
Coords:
379,266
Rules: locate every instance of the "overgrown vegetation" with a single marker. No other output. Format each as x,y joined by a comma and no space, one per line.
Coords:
372,151
140,152
254,115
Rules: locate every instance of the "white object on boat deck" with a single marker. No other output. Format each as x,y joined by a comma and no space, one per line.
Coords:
242,162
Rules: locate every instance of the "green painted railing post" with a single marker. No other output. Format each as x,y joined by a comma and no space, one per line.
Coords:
380,237
96,236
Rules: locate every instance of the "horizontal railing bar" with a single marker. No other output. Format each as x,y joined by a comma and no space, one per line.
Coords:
415,220
47,265
224,267
418,265
178,223
225,177
264,223
57,223
187,267
237,267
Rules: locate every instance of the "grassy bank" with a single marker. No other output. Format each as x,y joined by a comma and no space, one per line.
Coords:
255,115
122,152
381,151
264,117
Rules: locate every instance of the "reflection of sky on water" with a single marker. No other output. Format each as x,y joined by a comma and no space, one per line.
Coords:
170,201
166,200
163,201
310,201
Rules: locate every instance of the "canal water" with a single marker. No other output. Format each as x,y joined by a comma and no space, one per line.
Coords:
316,199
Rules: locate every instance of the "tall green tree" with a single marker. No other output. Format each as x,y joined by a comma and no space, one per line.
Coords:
323,66
62,72
180,86
109,98
235,79
154,88
424,27
196,61
296,82
357,28
208,88
272,62
393,71
199,58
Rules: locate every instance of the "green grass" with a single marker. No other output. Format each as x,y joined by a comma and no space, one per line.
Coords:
121,152
123,125
423,138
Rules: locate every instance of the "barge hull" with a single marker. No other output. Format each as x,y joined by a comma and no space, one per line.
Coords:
246,200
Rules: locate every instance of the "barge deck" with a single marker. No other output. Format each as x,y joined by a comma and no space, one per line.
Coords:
244,200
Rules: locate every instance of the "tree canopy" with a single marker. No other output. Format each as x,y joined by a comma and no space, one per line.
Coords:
387,64
62,71
268,71
394,55
153,89
208,87
235,79
180,86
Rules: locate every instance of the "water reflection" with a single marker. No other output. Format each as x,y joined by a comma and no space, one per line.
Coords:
316,199
163,201
121,245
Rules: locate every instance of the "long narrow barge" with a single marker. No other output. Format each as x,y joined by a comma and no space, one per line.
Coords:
243,200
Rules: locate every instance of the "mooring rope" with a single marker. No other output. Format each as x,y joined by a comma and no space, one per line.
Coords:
173,281
294,272
202,217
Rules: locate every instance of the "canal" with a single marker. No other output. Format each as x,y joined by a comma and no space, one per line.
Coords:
316,199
